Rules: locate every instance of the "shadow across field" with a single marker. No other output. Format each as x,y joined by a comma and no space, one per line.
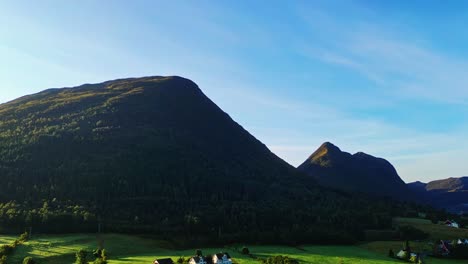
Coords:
125,249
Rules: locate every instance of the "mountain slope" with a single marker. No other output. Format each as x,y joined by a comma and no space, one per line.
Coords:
165,126
450,194
358,172
417,186
123,150
448,185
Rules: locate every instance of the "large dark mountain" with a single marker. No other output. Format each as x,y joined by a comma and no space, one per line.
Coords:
450,194
130,138
358,172
156,155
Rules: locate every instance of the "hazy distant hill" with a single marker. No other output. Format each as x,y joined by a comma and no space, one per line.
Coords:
451,193
449,185
358,172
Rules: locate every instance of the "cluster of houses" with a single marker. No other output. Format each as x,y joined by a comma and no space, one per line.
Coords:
407,254
220,258
445,247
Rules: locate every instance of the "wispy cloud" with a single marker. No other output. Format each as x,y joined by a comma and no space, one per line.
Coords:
407,65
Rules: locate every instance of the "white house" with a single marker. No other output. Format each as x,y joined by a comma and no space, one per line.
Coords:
222,258
197,260
452,224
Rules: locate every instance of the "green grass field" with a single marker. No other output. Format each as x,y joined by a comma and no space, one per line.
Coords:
124,249
435,231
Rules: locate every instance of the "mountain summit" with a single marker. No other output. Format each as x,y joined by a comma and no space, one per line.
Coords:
358,172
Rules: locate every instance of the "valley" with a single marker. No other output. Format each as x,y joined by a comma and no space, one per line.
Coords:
155,156
125,249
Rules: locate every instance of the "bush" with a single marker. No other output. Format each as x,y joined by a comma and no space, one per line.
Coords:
280,260
24,237
81,257
28,260
101,256
245,251
99,261
6,249
97,253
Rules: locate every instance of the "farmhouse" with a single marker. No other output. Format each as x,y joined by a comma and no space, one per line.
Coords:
163,261
222,258
451,224
198,260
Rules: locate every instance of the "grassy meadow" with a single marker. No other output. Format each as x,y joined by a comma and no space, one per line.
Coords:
435,231
126,249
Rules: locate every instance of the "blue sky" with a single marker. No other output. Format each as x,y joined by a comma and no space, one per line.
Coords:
385,77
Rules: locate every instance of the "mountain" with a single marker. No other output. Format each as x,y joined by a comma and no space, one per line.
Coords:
130,138
159,130
448,185
417,186
353,172
450,194
154,155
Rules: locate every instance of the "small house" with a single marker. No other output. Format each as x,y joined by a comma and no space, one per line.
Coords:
163,261
197,260
451,223
402,254
222,258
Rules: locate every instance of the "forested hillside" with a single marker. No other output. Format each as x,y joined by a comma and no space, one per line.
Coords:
156,155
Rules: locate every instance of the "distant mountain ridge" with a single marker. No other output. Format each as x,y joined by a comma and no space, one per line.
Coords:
358,172
449,185
450,193
364,173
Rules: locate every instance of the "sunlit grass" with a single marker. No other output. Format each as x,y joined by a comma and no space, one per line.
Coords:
125,249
